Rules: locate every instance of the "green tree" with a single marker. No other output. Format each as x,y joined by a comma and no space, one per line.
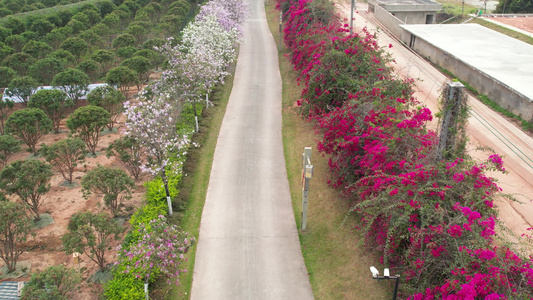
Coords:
55,38
15,24
5,12
172,24
76,26
53,283
89,67
124,40
42,27
122,77
45,69
114,184
87,122
73,81
9,145
54,103
76,46
49,3
6,106
4,33
64,55
138,32
91,37
29,35
83,18
110,99
29,180
106,7
141,66
15,228
155,42
105,58
91,234
155,58
129,153
65,155
514,6
111,20
93,16
6,75
5,51
126,52
101,29
37,49
20,62
54,19
29,124
22,87
16,42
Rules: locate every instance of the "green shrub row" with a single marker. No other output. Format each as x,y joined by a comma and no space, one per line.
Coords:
124,285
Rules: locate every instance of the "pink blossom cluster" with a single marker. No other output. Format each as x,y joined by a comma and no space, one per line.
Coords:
160,250
433,221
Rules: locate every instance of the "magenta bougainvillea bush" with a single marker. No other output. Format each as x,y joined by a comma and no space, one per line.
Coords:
432,221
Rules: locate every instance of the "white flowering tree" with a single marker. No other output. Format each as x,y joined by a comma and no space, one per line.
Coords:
230,14
199,62
153,123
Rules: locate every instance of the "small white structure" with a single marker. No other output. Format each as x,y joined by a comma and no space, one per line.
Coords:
407,11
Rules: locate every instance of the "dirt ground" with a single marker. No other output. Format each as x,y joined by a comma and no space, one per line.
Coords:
524,23
61,202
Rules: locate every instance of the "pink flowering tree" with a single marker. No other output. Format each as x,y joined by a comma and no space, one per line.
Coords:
152,122
160,249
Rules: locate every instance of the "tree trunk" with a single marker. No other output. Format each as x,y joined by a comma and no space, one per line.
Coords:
167,191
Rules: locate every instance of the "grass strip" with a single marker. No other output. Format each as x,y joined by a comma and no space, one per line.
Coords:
337,263
509,32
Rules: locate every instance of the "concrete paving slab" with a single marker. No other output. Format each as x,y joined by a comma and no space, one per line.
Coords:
248,247
504,58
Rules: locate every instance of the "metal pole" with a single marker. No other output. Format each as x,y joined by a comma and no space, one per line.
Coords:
307,175
396,287
280,26
351,17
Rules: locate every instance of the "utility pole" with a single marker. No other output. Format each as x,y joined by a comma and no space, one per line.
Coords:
351,17
450,114
280,27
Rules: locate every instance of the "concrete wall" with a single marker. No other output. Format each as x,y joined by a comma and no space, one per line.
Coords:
497,91
418,17
389,21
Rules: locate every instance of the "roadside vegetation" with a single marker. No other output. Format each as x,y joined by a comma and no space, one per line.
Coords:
163,123
426,213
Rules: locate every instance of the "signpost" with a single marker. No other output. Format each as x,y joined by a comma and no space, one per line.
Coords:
307,174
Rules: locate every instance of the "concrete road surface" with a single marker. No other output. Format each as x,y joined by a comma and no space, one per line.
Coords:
248,246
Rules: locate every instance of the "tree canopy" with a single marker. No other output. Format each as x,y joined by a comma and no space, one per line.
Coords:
29,124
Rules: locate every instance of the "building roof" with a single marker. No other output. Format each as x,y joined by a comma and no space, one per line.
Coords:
9,290
505,59
408,5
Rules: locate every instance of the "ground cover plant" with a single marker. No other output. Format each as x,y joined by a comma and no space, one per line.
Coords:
433,220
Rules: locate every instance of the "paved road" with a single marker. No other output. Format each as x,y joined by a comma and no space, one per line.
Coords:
485,127
248,246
